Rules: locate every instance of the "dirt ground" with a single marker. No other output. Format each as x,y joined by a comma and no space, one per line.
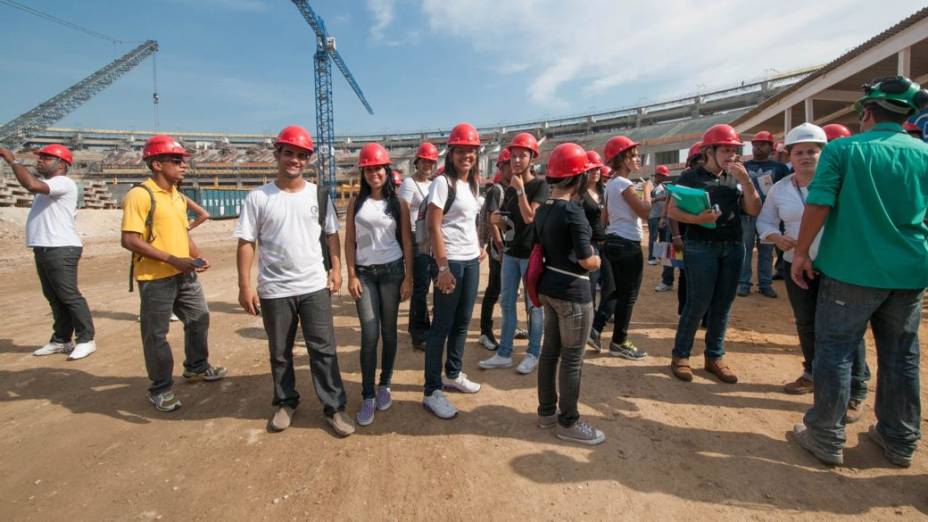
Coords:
81,441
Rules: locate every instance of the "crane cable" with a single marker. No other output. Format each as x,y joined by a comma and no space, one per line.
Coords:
55,19
155,99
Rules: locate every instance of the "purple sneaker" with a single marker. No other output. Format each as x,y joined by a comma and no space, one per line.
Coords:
365,415
384,399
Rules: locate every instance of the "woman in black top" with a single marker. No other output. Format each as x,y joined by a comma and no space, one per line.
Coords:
564,289
592,199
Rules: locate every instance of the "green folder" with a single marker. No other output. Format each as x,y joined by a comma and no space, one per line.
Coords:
691,200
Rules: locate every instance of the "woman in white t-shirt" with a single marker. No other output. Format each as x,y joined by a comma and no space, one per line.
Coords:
378,252
452,222
622,215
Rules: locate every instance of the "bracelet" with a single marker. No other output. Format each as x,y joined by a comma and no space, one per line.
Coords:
676,237
18,162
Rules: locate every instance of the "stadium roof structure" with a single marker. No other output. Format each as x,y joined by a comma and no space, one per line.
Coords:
828,94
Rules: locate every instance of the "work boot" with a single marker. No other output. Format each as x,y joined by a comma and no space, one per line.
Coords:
721,370
800,386
680,366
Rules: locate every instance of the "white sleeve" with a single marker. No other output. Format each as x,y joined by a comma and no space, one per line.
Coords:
247,226
407,190
59,186
438,192
768,221
331,219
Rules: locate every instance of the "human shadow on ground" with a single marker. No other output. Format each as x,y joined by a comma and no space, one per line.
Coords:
115,315
8,346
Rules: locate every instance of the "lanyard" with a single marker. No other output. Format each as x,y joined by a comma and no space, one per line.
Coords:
799,190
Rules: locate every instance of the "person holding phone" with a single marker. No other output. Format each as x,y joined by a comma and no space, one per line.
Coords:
712,257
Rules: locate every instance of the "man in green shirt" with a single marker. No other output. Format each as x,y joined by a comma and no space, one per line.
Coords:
870,193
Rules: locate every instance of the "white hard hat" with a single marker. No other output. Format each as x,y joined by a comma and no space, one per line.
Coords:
806,133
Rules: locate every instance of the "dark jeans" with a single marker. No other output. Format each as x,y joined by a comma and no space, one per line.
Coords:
452,313
667,272
627,263
182,295
603,279
313,312
764,255
653,235
418,303
377,310
842,314
490,297
567,325
57,268
804,303
712,270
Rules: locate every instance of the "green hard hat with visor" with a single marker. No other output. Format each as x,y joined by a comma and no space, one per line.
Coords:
903,95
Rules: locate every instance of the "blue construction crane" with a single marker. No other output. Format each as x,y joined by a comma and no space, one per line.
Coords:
322,70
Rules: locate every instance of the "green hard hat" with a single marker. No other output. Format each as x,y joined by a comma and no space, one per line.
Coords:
904,93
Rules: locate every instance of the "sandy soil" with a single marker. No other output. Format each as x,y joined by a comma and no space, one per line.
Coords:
80,440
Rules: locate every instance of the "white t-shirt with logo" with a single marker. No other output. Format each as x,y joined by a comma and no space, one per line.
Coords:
375,234
51,219
623,221
413,192
285,226
459,226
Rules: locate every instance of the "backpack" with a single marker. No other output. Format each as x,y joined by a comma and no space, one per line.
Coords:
483,218
423,237
149,234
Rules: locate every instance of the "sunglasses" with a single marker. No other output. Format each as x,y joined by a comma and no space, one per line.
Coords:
173,159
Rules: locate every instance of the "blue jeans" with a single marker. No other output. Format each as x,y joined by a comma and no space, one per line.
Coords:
451,315
653,234
842,315
764,256
712,269
418,303
377,310
513,270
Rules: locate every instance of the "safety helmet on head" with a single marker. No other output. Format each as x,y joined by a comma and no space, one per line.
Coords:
763,136
427,151
605,172
617,145
834,131
373,155
525,140
464,134
806,133
894,93
721,134
163,145
58,151
595,160
567,160
662,170
695,150
296,136
397,178
912,128
503,156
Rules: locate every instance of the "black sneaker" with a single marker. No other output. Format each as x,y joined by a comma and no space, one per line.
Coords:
768,292
521,334
211,373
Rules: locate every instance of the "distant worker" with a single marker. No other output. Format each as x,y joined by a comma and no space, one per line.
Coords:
872,266
165,263
658,197
492,241
834,131
57,248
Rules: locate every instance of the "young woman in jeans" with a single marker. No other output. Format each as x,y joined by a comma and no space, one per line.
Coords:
457,254
378,252
562,229
786,202
623,214
592,199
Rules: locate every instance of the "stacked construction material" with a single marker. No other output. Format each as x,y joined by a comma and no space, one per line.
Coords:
97,195
12,194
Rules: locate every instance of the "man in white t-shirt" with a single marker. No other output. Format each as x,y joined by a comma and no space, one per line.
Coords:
294,284
57,248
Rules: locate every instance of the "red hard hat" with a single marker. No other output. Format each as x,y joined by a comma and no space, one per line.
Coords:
594,158
397,178
525,140
567,160
503,156
763,136
617,145
372,155
441,170
427,151
163,144
296,136
605,172
834,131
721,134
695,150
662,170
59,151
464,134
498,177
911,127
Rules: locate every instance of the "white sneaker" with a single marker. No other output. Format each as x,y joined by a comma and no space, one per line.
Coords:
82,350
661,287
652,262
487,343
496,361
528,364
174,317
461,384
52,348
439,404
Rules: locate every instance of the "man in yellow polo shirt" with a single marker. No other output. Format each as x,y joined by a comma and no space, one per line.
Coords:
165,263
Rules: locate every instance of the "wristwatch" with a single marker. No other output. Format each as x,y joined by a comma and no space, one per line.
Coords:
520,193
18,162
443,269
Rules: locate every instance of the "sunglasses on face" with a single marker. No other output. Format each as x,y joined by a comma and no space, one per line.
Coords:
174,160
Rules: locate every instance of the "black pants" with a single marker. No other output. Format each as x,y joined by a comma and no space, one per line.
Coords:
314,313
57,268
490,297
626,262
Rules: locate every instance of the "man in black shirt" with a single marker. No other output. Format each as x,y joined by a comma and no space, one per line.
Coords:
517,213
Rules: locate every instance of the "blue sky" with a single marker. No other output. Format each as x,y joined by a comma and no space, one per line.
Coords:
246,65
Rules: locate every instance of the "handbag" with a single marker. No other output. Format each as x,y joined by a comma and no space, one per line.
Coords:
536,266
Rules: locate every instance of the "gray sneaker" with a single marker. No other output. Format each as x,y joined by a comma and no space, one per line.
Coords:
211,373
384,398
341,423
165,401
594,341
282,418
804,439
877,438
365,415
547,422
439,404
581,432
627,350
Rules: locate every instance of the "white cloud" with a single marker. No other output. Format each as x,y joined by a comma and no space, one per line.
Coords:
383,12
572,49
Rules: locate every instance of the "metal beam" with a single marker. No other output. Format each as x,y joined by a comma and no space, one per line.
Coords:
837,95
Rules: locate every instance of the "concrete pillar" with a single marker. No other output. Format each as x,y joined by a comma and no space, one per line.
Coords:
904,62
810,117
787,120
